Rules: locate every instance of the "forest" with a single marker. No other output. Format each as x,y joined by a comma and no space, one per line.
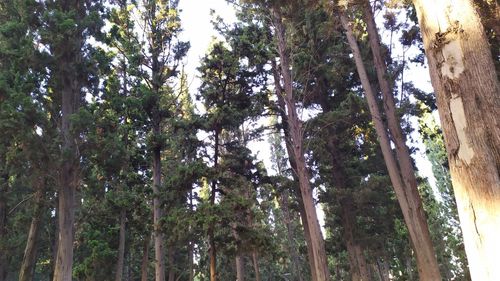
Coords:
112,167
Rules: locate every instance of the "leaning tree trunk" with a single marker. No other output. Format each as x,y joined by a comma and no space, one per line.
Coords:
414,218
121,246
427,264
316,244
29,260
467,89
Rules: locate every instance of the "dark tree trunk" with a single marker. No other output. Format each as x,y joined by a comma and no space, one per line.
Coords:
211,238
30,252
145,259
121,247
171,263
3,226
463,75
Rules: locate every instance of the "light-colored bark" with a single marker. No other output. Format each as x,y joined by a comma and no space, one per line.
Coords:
121,247
427,264
413,216
467,90
315,244
29,259
240,268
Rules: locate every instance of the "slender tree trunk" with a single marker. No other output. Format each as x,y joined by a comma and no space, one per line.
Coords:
297,274
293,165
121,247
412,213
145,259
316,242
171,263
30,252
255,260
191,261
159,242
211,240
467,89
383,269
3,226
426,257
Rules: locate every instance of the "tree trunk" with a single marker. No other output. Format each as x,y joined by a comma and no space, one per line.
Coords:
357,260
171,263
412,212
240,268
121,247
191,261
467,89
29,260
426,257
211,238
316,244
297,274
69,178
255,260
157,214
293,165
145,260
3,226
383,270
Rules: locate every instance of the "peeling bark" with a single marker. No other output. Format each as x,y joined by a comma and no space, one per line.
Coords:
463,75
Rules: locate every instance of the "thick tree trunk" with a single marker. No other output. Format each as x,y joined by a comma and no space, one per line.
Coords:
316,244
145,260
426,257
255,260
467,89
412,212
240,268
121,247
29,260
69,178
357,260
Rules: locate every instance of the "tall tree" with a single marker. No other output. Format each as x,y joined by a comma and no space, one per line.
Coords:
464,78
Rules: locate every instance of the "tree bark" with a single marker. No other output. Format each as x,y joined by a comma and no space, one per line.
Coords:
145,259
427,264
293,165
240,268
30,252
171,263
413,215
157,215
3,226
69,176
463,75
255,260
357,260
297,274
211,238
121,246
316,244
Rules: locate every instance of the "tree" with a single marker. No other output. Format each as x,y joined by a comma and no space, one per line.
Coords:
463,76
